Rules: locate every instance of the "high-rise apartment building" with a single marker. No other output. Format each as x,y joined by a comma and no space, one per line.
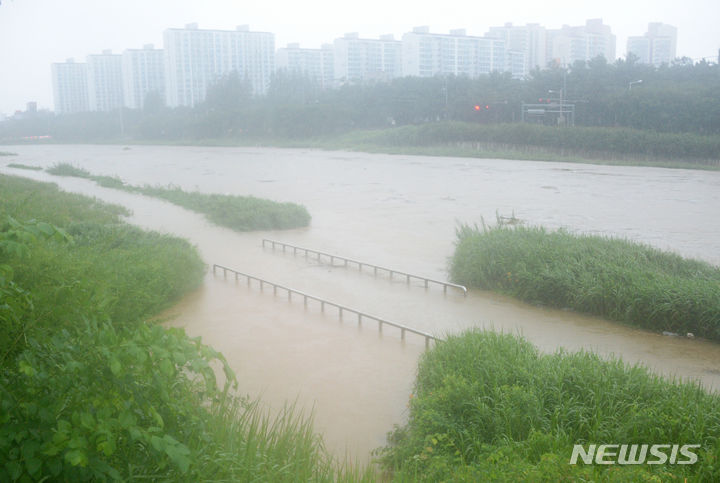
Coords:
528,42
104,79
318,65
143,72
70,88
571,44
359,59
427,54
195,59
658,45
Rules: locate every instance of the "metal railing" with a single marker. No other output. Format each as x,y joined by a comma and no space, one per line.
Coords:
323,302
360,265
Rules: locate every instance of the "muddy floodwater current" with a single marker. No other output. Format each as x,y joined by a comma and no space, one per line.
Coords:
400,212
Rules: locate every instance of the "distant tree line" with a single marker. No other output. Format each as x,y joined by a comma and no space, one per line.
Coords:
683,97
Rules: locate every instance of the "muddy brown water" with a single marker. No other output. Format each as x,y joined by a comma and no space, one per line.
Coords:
401,212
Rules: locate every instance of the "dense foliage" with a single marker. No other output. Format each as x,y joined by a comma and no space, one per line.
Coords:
241,213
90,391
613,278
489,407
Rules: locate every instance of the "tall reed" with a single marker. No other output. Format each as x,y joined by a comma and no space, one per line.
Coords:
613,278
489,407
241,213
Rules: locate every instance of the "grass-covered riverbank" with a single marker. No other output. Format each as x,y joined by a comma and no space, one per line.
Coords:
542,143
89,390
598,145
241,213
489,407
612,278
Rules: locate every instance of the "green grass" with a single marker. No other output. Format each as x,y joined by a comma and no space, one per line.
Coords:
600,145
66,169
91,391
613,278
24,166
240,213
489,407
622,146
6,153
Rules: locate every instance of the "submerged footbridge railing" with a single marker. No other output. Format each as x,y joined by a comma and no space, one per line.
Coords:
331,257
323,302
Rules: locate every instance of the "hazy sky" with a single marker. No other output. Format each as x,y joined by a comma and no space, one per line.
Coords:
35,33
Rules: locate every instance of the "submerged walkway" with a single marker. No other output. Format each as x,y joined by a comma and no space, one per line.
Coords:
323,302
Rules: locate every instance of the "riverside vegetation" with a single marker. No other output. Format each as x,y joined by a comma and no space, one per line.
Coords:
241,213
490,407
90,390
536,142
612,278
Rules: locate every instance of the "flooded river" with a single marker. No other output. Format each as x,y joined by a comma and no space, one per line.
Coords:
401,212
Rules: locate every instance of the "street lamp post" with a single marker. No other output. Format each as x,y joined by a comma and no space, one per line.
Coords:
634,82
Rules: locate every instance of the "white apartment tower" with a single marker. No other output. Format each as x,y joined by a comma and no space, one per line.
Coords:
143,72
658,46
195,59
70,88
427,54
104,74
318,65
526,47
571,44
359,59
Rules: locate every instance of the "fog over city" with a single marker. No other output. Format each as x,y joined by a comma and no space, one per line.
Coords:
36,33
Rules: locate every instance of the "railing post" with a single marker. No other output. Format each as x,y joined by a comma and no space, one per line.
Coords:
340,313
408,279
402,334
322,306
225,273
359,319
305,300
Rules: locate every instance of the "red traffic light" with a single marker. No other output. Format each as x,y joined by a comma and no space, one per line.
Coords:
477,107
487,107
